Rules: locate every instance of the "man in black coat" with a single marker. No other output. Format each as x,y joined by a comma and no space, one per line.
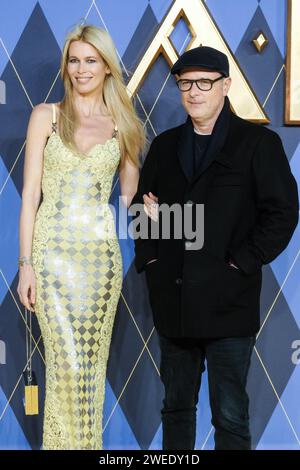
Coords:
205,299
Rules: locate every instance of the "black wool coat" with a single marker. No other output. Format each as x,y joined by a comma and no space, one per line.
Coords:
250,212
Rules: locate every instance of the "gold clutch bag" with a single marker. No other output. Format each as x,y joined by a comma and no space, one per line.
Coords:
31,387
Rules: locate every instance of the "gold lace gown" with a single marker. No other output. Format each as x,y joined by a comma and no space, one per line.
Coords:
78,268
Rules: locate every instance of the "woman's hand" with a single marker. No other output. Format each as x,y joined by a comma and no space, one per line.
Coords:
26,286
151,206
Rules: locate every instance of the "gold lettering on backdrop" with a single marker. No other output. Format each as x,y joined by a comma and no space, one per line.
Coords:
292,88
204,32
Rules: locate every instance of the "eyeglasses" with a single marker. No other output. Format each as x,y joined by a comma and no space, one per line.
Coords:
204,84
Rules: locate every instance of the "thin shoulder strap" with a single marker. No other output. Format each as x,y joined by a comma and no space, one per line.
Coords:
54,123
115,132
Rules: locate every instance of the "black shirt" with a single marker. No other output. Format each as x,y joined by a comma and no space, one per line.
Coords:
200,145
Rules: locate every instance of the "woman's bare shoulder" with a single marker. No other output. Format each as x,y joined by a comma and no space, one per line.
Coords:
43,112
45,109
41,118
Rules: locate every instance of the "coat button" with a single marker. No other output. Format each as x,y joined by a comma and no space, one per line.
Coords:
189,203
178,281
188,245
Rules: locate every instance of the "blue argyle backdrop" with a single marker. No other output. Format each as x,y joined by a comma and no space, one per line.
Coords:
31,38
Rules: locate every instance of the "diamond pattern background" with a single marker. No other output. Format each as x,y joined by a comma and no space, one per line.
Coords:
31,38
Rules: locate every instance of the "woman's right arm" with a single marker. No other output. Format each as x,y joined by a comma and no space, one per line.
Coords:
38,130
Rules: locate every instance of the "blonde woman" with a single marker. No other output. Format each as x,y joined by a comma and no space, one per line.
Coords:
70,260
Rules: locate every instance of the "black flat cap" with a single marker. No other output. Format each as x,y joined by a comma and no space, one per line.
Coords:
203,57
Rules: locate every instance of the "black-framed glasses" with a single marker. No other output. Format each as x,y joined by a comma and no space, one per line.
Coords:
204,84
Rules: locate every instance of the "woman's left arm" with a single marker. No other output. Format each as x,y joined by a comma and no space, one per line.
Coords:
129,177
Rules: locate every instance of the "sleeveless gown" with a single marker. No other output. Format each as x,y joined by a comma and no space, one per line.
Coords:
78,268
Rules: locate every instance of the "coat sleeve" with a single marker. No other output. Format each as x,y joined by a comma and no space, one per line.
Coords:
277,206
146,248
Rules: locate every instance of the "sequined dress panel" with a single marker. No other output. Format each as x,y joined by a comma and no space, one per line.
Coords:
78,268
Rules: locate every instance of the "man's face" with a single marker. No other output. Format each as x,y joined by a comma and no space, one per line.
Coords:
204,106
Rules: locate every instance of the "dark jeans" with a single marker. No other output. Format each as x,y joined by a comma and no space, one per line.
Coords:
182,364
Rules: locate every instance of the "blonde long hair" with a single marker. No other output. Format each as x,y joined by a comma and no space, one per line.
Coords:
130,129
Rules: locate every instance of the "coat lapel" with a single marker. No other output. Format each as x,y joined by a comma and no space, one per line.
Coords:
217,141
214,152
185,150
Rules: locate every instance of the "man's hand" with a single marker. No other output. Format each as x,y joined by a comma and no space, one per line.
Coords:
151,206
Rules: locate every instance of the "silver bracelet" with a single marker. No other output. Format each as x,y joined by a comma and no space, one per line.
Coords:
24,260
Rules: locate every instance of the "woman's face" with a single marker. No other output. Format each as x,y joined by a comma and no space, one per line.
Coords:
86,68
